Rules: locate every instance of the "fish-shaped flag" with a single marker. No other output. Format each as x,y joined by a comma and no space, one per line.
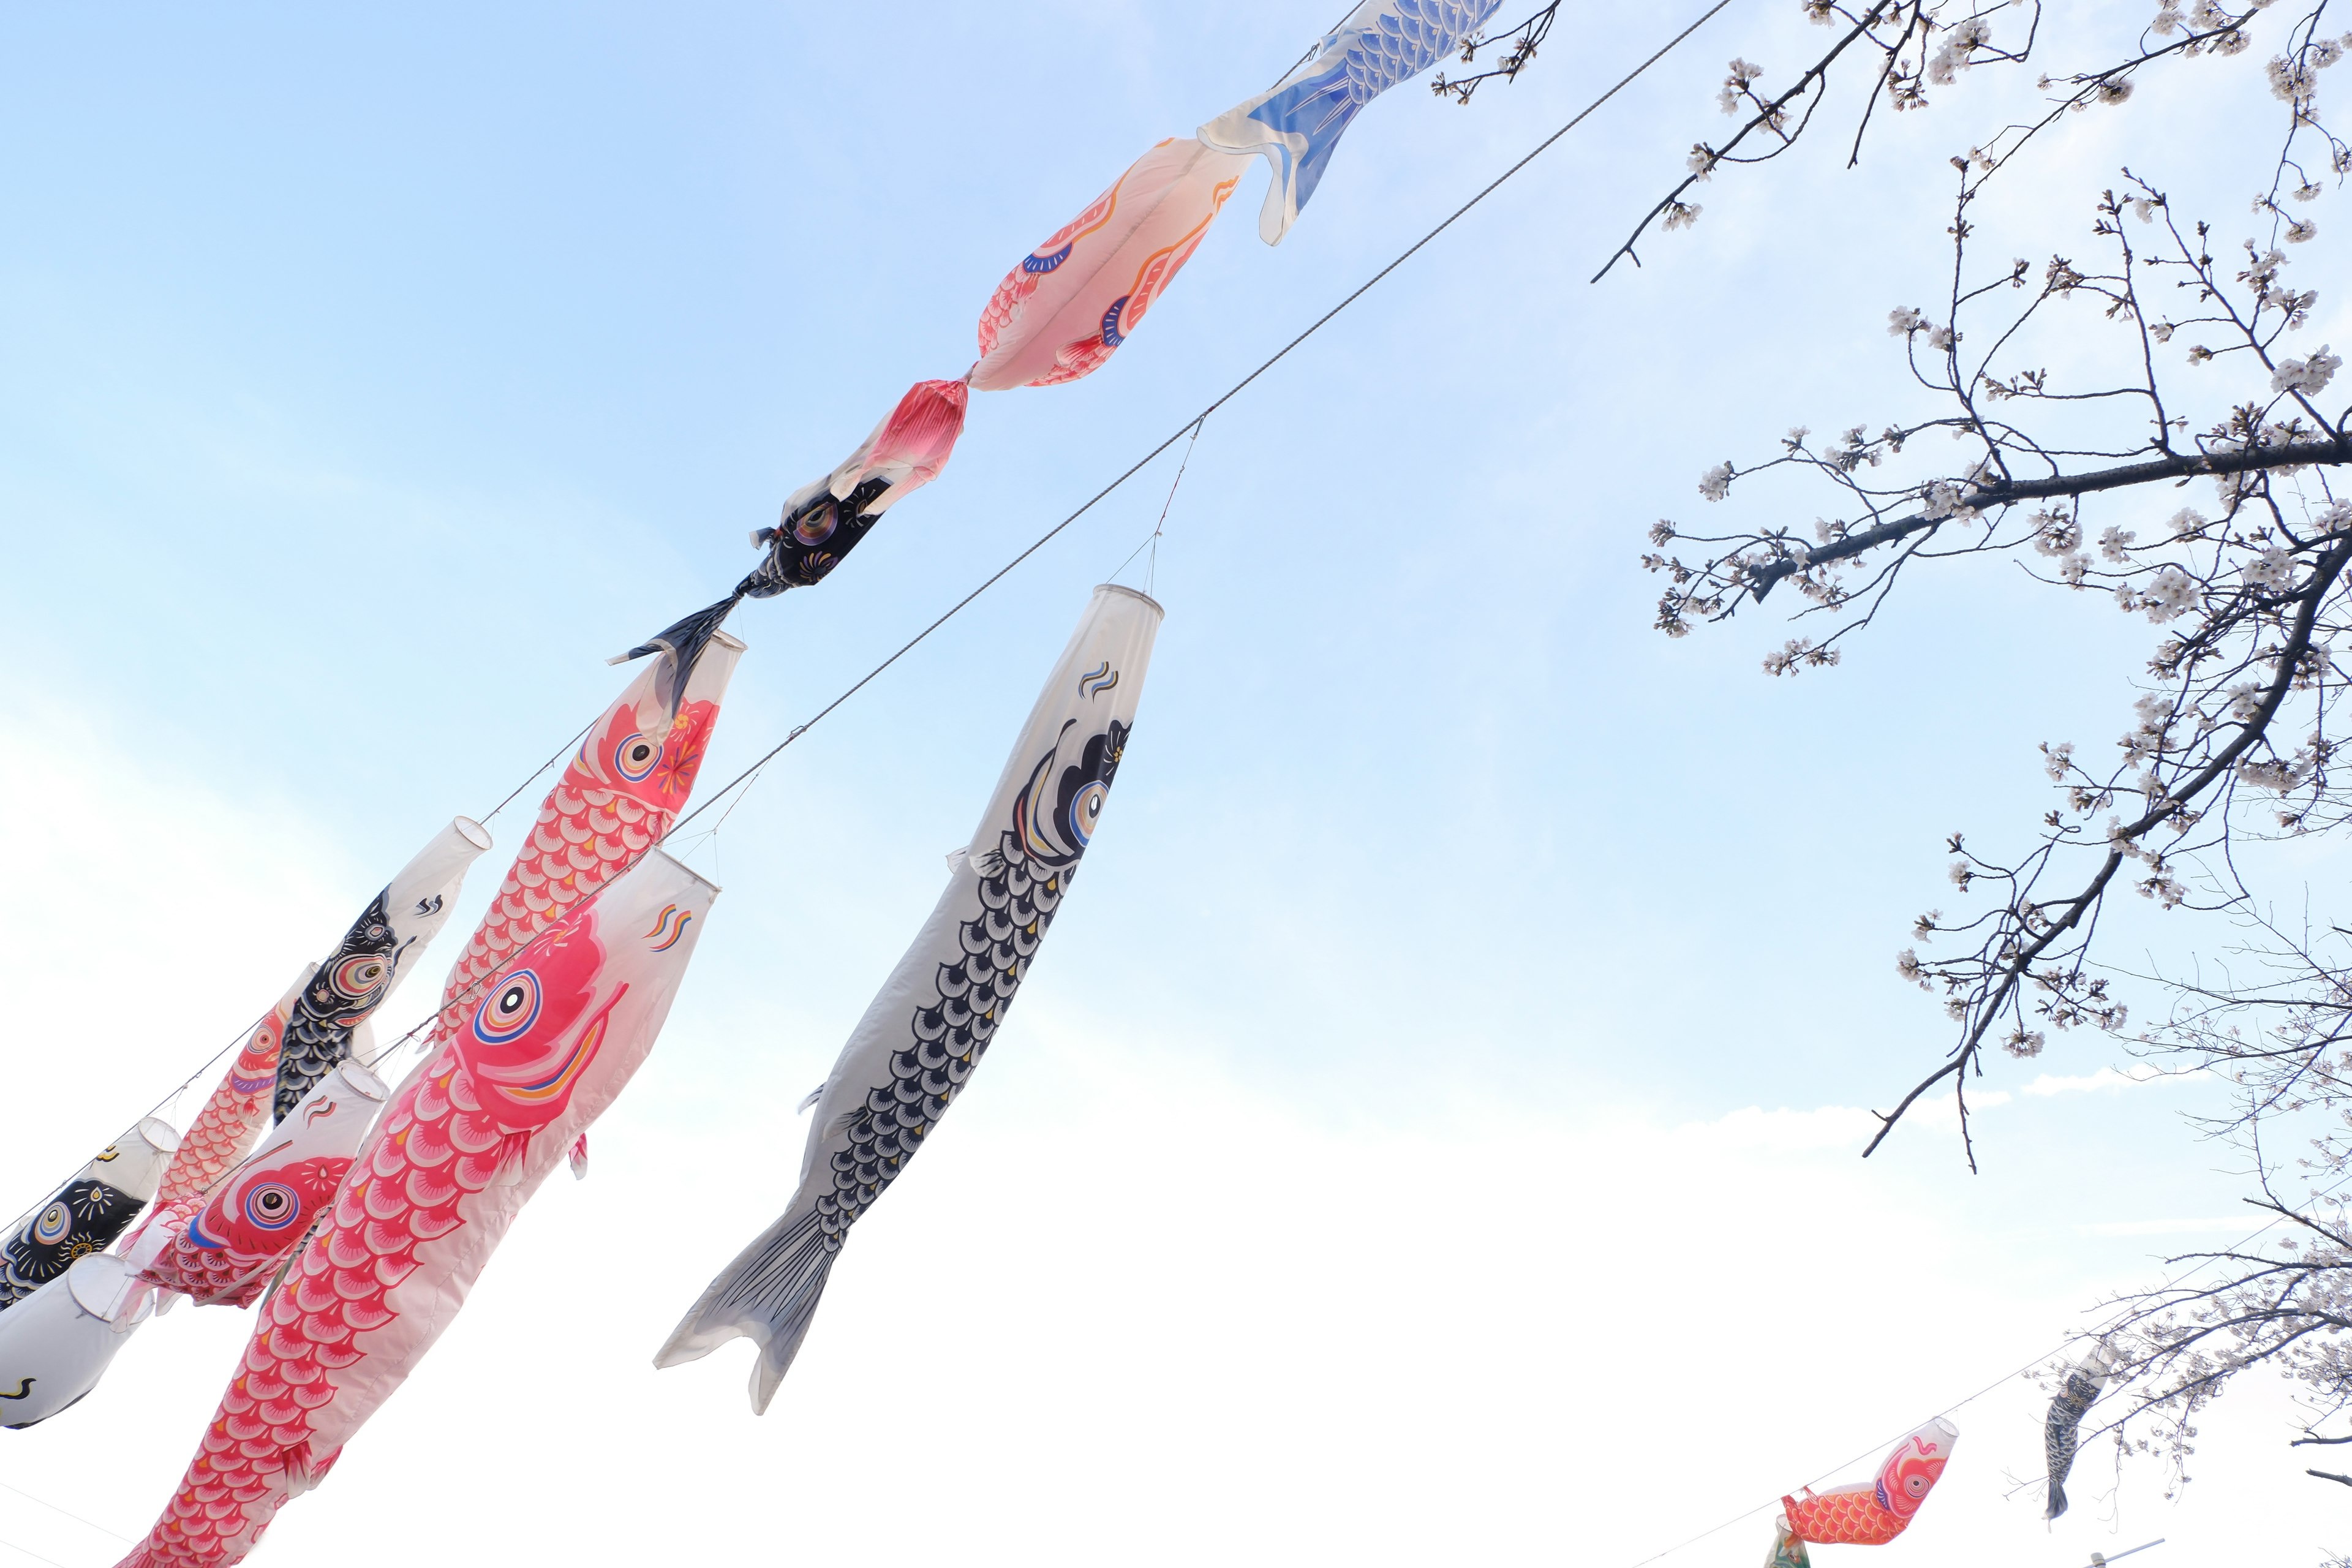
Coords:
1874,1513
228,1120
224,1244
60,1339
89,1212
1787,1552
630,777
1067,305
927,1029
1295,125
535,1056
376,954
825,518
2061,1428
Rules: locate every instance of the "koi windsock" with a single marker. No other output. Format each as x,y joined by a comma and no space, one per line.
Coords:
1297,123
380,951
432,1189
60,1339
536,1057
2060,1429
926,1031
224,1246
225,1127
1874,1513
88,1213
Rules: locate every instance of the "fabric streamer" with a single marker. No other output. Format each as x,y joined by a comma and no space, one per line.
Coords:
222,1246
1787,1552
1070,304
1295,125
231,1116
61,1339
376,954
927,1029
2085,1380
630,777
1871,1514
89,1212
532,1059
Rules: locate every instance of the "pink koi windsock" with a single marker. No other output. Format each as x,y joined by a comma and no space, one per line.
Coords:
224,1128
1871,1514
224,1246
1067,307
535,1056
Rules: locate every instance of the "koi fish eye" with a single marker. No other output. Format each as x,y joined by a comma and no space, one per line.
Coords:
635,757
53,1225
1086,811
272,1205
509,1009
357,975
1915,1485
818,525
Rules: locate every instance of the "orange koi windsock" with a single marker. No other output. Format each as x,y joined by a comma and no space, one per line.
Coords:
1871,1514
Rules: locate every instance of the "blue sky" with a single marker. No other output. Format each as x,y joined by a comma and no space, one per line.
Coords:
1432,1123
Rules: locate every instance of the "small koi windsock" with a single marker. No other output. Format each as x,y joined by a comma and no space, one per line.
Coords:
224,1244
60,1339
380,951
2085,1380
89,1212
1787,1552
1871,1514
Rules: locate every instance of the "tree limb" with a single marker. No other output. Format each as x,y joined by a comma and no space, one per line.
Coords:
2293,455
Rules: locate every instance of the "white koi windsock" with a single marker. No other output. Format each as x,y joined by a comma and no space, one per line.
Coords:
928,1028
58,1342
380,951
89,1212
538,1052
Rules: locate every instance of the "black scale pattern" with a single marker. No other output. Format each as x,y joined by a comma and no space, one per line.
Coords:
1017,903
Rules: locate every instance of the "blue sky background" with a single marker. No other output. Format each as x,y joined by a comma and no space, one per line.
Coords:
1431,1129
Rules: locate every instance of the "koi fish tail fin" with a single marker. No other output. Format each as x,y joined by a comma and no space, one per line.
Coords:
2057,1499
768,1295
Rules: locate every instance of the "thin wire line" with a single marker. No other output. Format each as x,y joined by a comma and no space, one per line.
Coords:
1194,424
1151,571
127,1540
561,752
36,1556
1156,527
